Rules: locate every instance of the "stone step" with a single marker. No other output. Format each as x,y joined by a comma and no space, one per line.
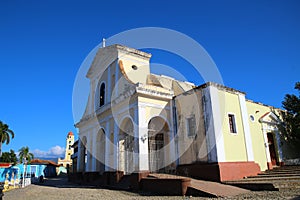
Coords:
282,170
285,168
258,185
256,178
254,186
273,175
275,179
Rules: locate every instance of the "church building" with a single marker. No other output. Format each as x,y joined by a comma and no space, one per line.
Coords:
136,121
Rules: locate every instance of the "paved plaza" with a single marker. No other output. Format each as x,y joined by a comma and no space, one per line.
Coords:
60,189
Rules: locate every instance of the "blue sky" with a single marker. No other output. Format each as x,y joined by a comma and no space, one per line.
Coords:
255,45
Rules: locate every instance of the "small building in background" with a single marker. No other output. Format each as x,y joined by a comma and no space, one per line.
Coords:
67,161
34,170
44,168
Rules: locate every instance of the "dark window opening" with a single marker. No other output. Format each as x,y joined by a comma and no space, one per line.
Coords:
102,94
191,126
232,124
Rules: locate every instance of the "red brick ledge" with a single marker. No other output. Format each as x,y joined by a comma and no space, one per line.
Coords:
221,171
237,170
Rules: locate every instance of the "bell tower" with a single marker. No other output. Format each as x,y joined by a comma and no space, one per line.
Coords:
69,149
67,161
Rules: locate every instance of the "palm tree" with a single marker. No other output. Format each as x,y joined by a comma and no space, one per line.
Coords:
25,156
5,134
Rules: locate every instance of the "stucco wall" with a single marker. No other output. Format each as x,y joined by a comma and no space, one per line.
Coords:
190,148
257,111
234,143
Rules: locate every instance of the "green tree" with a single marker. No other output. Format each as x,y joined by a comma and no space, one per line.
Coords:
25,155
9,157
5,135
290,128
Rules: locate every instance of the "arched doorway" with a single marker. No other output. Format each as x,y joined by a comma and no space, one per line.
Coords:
158,130
272,148
126,147
83,154
100,153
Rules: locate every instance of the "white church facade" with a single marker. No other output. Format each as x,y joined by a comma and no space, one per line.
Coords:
136,121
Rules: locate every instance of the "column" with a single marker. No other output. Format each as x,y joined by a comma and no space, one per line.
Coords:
116,78
94,151
136,140
116,150
266,145
143,162
172,151
213,125
107,145
108,90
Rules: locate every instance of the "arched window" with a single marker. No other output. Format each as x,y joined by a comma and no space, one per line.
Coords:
102,94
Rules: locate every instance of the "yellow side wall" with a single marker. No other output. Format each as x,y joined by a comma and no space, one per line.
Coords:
257,137
234,144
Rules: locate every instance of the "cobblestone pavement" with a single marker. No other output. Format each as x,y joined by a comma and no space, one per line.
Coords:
60,189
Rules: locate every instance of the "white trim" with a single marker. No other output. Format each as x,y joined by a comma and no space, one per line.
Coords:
266,144
172,152
136,139
107,145
94,152
154,105
213,125
142,132
108,84
247,133
116,146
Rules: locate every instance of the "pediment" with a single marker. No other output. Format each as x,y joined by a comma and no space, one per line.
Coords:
103,58
270,118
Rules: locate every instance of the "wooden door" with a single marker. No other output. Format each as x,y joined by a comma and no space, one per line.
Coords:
272,148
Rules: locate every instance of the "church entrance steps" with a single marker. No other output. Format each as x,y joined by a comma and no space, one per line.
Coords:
160,183
280,172
276,179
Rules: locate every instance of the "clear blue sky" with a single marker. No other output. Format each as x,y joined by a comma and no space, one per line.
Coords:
255,45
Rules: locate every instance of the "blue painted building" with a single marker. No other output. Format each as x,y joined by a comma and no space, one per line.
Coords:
35,169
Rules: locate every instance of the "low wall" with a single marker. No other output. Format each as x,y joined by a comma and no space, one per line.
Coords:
166,186
222,171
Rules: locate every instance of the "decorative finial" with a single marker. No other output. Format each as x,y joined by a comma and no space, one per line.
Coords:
103,42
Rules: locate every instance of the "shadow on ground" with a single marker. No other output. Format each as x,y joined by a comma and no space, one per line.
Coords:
62,182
